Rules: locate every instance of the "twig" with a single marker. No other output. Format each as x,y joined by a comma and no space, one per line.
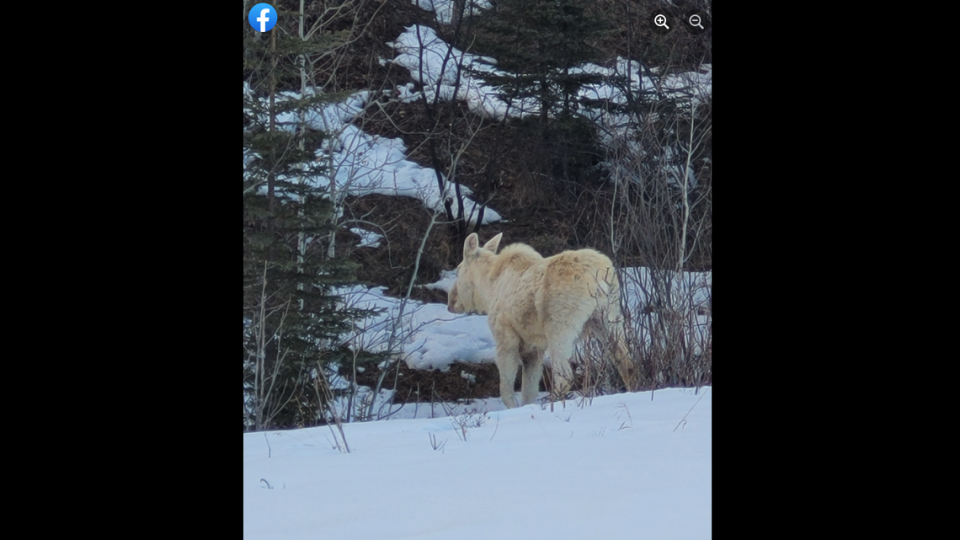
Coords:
328,398
688,412
434,445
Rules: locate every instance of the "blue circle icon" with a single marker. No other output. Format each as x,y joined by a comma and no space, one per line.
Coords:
262,17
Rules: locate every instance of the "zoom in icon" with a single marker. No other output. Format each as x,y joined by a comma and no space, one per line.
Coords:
661,22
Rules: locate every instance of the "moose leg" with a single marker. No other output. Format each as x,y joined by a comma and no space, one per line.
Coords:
508,362
614,330
624,364
560,348
532,371
611,338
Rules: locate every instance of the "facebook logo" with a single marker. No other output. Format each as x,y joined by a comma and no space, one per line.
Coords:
262,17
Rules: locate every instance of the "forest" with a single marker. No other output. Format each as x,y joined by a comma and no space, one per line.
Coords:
379,134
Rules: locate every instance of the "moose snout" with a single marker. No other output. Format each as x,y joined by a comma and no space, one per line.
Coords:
452,300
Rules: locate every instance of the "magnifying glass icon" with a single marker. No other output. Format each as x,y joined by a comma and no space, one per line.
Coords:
695,21
660,20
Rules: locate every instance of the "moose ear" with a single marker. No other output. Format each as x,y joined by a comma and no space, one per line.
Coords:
494,243
470,245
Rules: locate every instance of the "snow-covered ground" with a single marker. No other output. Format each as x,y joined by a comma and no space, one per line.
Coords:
626,466
436,65
364,164
444,8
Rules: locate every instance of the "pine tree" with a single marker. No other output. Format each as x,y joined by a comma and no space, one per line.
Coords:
540,42
540,46
292,319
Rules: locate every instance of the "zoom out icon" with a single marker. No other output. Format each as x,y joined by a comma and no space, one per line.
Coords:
696,22
262,17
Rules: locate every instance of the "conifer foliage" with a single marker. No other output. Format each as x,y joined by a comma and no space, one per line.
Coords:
540,42
292,319
540,47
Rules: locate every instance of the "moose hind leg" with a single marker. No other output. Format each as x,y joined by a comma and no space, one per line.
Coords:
508,362
628,372
560,349
611,338
532,371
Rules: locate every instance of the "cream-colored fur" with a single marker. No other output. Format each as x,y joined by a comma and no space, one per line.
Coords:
537,305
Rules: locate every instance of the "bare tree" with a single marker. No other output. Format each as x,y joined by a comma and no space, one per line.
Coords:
449,132
661,217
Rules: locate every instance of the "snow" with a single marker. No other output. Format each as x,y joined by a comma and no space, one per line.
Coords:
427,335
359,163
444,8
623,466
367,238
364,164
447,279
436,65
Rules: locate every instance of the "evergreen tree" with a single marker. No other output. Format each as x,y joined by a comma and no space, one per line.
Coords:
291,318
540,43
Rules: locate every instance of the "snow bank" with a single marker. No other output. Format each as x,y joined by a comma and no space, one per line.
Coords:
363,164
618,467
426,336
436,65
444,8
